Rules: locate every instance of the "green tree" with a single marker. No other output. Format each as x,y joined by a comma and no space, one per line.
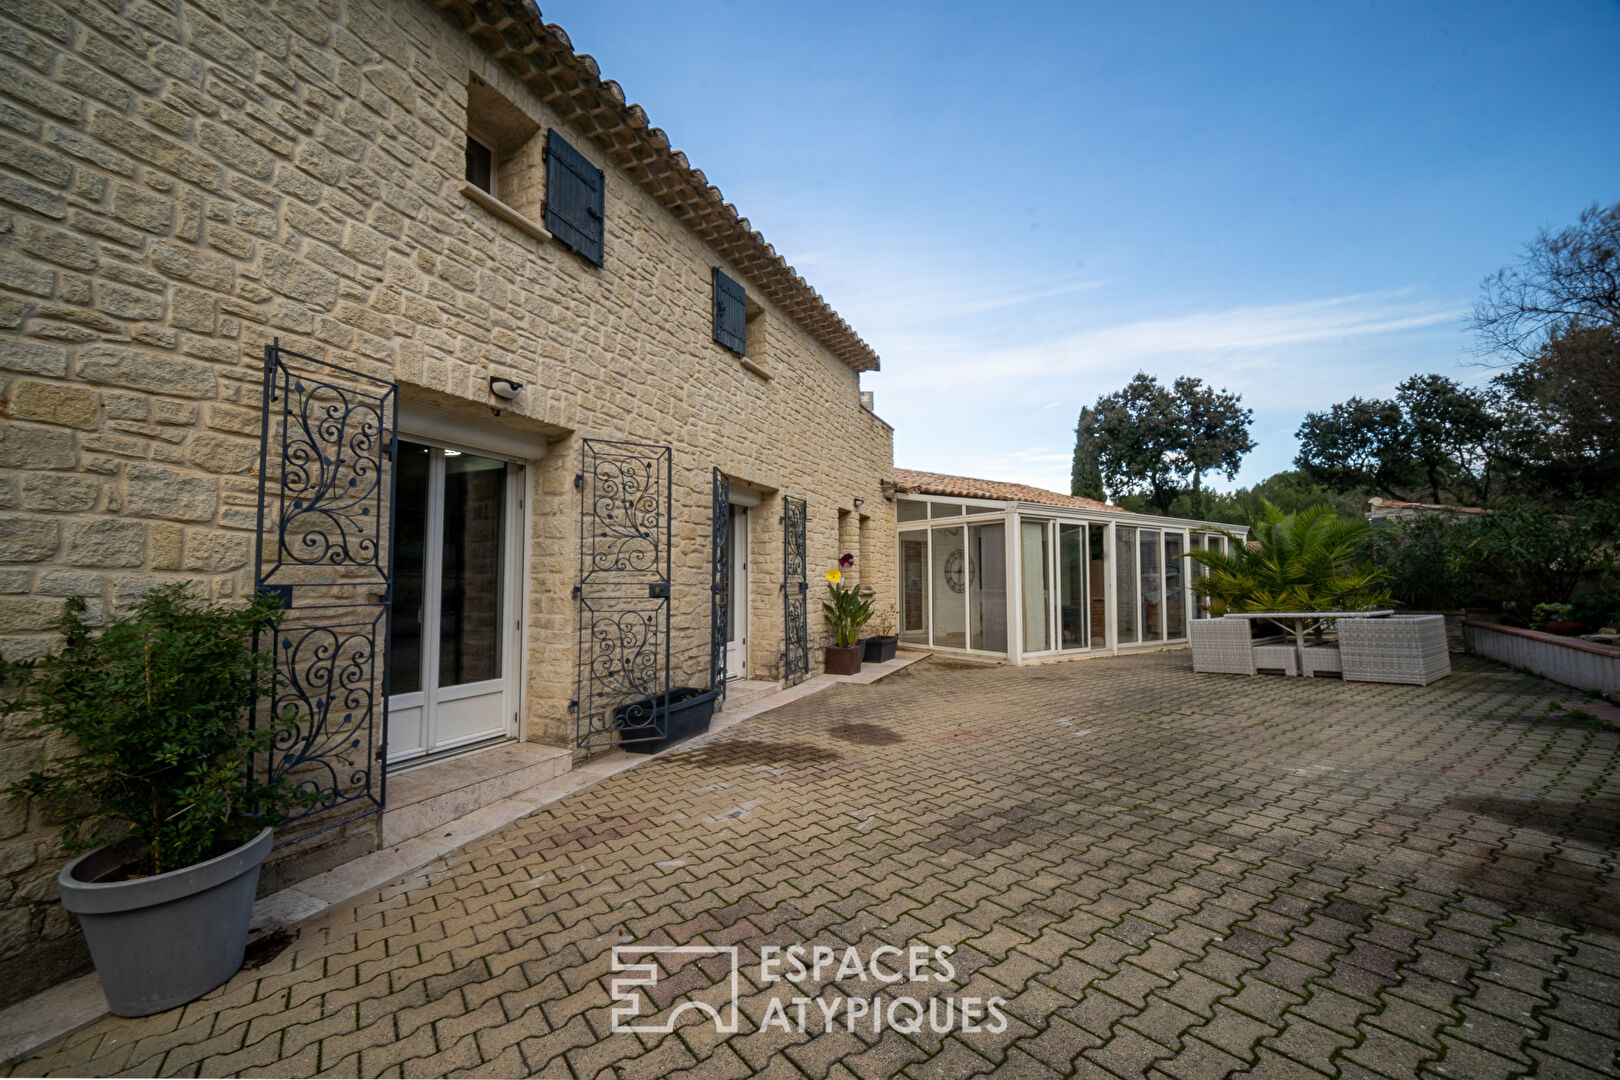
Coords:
1358,444
1448,430
1555,318
1151,440
1085,476
1137,441
1215,426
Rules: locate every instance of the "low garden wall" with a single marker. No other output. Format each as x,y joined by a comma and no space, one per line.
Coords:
1584,665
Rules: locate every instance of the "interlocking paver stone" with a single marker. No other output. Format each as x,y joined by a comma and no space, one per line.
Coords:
1223,874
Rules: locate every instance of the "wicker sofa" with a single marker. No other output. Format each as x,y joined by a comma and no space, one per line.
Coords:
1223,646
1400,649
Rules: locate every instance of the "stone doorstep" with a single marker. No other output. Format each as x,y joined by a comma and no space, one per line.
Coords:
423,798
67,1007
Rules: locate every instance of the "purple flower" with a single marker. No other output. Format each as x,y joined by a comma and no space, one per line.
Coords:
846,561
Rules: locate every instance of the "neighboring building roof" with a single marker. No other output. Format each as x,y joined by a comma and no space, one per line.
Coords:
1382,508
541,55
966,487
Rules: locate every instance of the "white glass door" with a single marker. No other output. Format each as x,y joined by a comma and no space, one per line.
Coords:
451,672
737,600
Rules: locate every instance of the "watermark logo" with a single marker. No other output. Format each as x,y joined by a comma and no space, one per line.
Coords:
646,974
802,977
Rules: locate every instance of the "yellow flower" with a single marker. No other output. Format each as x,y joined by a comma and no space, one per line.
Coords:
835,575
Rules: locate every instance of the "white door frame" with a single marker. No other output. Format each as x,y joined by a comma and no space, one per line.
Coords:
516,555
737,603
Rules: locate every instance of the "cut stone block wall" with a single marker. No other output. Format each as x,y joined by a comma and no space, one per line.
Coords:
181,183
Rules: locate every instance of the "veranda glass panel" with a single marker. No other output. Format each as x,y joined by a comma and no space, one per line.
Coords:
910,510
950,576
914,587
1037,586
987,587
473,578
410,567
1098,589
1175,568
1125,584
1072,586
945,510
1152,585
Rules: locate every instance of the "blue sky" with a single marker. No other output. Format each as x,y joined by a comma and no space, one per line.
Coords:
1021,205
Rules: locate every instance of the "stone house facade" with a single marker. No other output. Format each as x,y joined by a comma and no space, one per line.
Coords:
375,184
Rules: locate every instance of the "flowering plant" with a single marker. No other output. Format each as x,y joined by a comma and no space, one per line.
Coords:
886,621
847,612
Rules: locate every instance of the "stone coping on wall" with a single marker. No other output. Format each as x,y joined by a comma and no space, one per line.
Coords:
1577,644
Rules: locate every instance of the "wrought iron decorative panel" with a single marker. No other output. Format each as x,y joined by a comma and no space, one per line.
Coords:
720,583
326,489
795,593
623,592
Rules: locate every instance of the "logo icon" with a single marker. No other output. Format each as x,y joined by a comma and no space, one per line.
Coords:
629,999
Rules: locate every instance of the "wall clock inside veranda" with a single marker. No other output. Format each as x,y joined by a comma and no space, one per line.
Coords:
953,571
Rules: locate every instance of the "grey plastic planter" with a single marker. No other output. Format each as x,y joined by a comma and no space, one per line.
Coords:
162,941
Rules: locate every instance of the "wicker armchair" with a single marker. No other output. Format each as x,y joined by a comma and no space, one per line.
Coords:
1222,646
1401,649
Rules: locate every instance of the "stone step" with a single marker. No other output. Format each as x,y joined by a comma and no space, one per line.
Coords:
423,798
741,692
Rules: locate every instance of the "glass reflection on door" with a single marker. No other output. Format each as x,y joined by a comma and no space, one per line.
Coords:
1072,586
1125,583
951,570
1175,610
1037,585
914,587
1152,586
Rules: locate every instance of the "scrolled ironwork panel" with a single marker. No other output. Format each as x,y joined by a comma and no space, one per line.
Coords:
626,512
624,592
328,443
331,689
795,592
720,583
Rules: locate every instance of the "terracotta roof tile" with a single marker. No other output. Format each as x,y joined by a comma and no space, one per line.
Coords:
540,54
966,487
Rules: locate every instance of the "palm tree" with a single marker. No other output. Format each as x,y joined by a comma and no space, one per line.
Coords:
1292,562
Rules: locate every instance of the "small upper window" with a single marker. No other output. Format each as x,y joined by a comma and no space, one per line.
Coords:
480,165
941,510
574,198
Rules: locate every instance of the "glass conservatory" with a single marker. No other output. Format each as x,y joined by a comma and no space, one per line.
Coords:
1021,579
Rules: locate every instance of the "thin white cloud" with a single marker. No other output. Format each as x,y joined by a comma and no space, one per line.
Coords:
1236,336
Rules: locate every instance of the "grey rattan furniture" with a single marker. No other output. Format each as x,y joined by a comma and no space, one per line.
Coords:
1315,659
1403,649
1223,646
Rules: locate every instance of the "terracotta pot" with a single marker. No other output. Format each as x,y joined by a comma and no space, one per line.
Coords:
844,660
1562,627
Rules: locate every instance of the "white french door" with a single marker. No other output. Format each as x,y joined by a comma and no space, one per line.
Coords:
452,672
737,601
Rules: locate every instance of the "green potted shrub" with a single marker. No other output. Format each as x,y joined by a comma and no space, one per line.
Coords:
1555,619
881,646
152,782
848,614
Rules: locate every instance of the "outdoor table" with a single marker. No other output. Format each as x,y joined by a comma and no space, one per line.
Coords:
1299,628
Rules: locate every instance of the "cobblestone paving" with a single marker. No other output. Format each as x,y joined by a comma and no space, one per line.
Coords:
1162,874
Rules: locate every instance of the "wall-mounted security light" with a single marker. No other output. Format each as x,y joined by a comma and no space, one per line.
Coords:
858,504
505,389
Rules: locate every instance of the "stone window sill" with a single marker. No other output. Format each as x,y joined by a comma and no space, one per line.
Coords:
504,212
753,368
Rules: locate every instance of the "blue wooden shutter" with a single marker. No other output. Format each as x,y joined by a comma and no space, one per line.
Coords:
574,202
730,313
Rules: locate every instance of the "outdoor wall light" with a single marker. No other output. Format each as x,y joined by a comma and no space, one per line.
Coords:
858,504
506,389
